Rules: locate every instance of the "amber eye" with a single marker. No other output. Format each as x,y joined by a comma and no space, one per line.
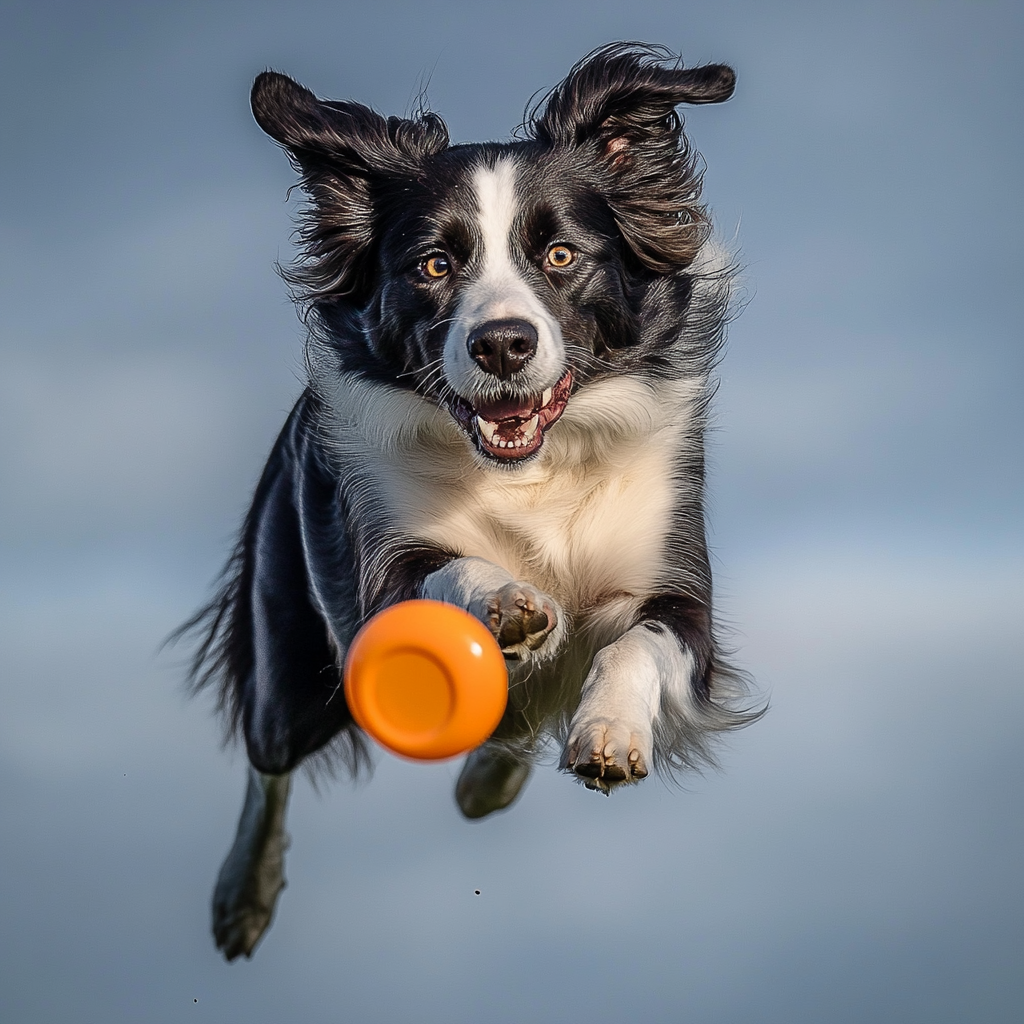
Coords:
560,256
437,266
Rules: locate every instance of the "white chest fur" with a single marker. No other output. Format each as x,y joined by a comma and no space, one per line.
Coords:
582,536
587,521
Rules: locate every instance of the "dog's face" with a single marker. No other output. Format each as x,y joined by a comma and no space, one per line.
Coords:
495,279
491,288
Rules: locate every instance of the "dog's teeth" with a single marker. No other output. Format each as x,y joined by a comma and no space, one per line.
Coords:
546,397
486,428
522,438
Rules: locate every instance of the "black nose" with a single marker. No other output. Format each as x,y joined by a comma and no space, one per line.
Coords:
502,347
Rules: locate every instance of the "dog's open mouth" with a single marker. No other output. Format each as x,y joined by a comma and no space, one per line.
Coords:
512,428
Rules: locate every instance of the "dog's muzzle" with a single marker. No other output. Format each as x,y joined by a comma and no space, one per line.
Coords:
512,429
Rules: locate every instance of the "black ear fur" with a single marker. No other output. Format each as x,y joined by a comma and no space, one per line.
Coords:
345,152
346,134
618,103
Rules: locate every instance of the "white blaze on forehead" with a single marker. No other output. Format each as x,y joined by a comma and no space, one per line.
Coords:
497,290
496,209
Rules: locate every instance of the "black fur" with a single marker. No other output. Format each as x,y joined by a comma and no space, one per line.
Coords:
266,632
605,163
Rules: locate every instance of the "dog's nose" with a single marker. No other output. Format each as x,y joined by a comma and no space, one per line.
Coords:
502,347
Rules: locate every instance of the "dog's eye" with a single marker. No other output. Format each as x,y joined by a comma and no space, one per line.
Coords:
437,266
560,256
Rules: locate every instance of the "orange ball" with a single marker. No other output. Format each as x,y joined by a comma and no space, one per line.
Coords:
426,680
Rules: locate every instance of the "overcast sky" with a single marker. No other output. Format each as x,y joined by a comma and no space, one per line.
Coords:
859,856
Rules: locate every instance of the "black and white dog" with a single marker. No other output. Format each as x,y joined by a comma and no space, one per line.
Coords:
510,358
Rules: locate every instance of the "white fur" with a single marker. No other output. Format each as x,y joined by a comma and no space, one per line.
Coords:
624,693
587,521
499,292
465,581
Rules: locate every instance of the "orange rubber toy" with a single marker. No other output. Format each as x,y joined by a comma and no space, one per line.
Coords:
426,680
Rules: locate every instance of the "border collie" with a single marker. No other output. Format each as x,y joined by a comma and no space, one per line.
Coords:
509,368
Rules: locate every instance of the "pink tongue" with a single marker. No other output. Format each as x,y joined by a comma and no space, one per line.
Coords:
506,409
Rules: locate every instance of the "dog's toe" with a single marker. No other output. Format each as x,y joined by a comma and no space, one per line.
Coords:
614,772
637,765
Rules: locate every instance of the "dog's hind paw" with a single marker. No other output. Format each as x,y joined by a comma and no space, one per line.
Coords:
523,620
252,876
604,754
490,780
238,927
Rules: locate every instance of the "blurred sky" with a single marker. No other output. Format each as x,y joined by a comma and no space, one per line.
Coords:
859,857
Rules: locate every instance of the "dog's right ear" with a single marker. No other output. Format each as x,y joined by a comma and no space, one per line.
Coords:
292,116
344,152
349,136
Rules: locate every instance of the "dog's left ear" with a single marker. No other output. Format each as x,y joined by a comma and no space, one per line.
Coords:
617,107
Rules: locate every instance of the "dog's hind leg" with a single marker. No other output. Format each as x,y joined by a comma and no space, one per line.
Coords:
276,634
491,779
252,875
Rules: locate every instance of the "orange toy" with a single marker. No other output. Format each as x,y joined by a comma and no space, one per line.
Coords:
426,680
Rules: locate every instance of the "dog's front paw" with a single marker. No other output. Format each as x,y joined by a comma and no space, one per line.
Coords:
522,619
604,754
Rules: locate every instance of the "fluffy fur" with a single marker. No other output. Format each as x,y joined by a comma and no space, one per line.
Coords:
510,357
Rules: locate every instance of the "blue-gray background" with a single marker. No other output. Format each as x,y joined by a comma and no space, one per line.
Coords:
858,859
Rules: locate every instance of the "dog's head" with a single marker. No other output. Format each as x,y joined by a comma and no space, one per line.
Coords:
495,279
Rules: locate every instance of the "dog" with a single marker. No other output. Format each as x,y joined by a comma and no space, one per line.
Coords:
510,358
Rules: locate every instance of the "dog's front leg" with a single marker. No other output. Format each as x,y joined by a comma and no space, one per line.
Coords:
527,623
632,681
252,875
